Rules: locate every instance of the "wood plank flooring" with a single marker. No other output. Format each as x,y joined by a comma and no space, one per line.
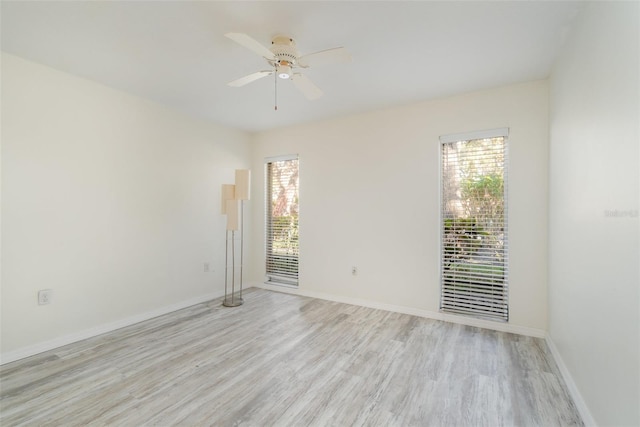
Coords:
286,360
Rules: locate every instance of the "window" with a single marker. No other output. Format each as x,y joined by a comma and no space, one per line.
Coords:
282,250
474,249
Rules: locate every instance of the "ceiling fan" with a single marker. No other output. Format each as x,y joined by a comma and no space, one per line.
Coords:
285,60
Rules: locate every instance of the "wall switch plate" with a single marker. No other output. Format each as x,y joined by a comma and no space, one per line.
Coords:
354,271
44,296
207,267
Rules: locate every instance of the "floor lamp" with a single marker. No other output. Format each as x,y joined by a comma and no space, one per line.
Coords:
232,195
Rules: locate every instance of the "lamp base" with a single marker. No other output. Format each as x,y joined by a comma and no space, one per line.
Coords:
232,302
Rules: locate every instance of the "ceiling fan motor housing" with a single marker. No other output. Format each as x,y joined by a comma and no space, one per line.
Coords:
284,50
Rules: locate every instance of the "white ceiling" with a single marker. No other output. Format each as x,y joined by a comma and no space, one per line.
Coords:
175,53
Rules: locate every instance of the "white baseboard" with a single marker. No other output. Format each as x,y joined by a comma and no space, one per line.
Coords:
587,418
452,318
101,329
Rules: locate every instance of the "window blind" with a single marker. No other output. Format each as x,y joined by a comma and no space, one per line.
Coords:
282,249
474,243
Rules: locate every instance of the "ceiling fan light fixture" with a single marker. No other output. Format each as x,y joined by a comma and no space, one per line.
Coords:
284,71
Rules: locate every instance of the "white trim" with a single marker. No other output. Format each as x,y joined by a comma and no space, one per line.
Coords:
449,304
41,347
446,317
587,418
480,134
281,158
275,283
268,213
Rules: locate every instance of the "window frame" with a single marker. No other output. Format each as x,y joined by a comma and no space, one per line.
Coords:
462,137
270,276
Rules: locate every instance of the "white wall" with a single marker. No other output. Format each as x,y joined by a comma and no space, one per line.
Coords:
369,197
594,259
110,200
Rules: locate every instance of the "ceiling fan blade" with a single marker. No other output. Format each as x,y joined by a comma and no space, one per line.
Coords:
251,44
250,78
329,56
306,86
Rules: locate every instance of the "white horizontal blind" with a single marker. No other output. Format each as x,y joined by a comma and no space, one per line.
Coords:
282,249
474,246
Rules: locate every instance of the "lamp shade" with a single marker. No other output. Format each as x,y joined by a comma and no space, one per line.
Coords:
228,193
232,215
243,184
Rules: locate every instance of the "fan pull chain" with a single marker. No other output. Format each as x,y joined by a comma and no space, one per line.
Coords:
275,84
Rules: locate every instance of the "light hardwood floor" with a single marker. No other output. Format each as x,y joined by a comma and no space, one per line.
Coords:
287,360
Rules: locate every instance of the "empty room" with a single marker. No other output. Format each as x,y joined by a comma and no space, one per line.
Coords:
372,213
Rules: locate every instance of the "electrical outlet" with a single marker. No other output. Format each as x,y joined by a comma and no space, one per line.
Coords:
44,296
354,271
207,267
